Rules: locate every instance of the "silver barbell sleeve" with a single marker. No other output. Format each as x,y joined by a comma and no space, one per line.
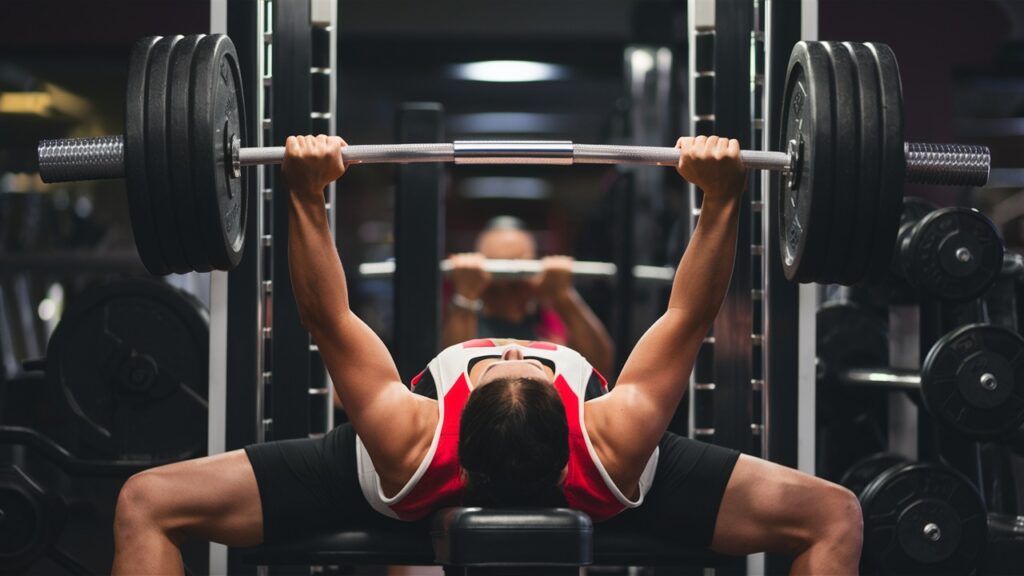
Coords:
888,378
513,269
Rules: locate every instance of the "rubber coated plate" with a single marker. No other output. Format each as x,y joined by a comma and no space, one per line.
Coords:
969,381
894,161
914,209
858,476
217,117
136,175
182,177
807,206
849,336
130,360
24,528
922,519
840,263
868,127
953,254
157,155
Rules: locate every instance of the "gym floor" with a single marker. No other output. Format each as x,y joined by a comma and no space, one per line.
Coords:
859,384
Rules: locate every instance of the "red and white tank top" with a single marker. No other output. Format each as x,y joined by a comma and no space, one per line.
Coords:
437,483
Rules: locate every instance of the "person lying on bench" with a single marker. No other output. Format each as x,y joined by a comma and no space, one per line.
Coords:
497,422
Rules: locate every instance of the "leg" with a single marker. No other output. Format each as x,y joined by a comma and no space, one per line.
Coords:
768,507
213,498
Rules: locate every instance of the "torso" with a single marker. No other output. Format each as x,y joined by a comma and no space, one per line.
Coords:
597,481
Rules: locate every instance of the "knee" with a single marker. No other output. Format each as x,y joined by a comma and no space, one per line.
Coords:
842,519
140,504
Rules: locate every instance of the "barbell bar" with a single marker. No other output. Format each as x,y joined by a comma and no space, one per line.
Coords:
102,157
842,142
517,269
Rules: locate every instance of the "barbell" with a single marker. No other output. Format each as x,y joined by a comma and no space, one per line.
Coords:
843,165
501,269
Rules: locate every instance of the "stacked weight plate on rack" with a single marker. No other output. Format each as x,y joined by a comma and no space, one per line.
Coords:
183,110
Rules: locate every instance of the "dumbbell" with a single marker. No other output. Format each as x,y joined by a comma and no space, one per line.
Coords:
843,157
501,269
919,518
953,254
968,380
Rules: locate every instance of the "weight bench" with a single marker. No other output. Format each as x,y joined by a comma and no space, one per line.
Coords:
468,541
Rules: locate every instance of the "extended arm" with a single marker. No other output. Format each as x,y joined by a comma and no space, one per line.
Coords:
587,335
469,280
655,375
364,375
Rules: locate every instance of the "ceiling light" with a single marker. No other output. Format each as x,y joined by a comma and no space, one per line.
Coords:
509,71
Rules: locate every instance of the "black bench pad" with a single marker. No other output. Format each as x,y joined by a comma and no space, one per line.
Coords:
473,536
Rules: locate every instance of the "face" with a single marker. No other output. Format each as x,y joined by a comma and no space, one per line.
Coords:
511,364
506,244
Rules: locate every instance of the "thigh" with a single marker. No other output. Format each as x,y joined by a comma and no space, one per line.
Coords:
769,507
214,498
309,485
684,497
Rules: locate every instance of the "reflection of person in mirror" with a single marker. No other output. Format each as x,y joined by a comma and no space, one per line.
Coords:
546,307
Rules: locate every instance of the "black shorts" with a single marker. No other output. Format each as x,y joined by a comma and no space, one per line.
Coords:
313,485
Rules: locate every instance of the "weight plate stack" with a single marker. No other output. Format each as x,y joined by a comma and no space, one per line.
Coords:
187,205
217,116
869,106
922,519
953,254
129,359
806,202
858,476
29,520
140,207
969,381
894,161
158,168
841,258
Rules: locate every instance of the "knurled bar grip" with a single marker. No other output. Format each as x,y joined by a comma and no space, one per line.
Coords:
68,159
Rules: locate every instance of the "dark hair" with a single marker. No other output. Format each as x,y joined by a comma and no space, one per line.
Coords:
514,443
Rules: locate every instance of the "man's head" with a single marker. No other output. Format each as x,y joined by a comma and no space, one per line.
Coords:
514,437
506,238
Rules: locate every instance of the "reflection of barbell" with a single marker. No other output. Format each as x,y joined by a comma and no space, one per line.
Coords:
844,157
513,269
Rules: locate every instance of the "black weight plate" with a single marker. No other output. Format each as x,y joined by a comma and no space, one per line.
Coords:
140,206
840,264
849,337
181,143
858,476
157,156
217,116
130,360
923,519
29,520
806,209
953,254
957,392
894,160
869,126
914,209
